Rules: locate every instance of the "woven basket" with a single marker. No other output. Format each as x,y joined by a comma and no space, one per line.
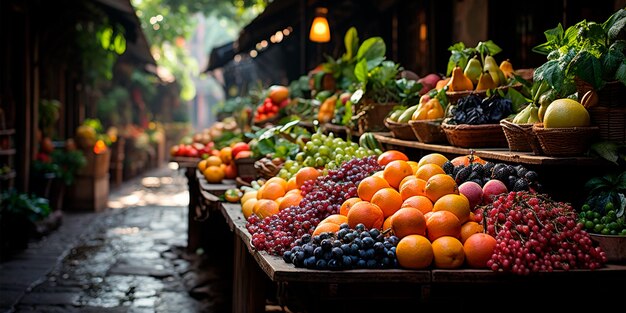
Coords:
611,94
400,130
475,136
428,131
566,141
374,118
611,121
520,137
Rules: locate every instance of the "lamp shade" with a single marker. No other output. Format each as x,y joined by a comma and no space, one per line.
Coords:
320,31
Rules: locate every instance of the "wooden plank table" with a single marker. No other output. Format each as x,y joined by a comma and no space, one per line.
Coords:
459,289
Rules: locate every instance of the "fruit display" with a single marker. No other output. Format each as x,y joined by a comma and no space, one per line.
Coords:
535,233
476,110
514,177
603,209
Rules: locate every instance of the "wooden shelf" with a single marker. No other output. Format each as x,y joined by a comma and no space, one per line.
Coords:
493,154
6,132
7,151
7,176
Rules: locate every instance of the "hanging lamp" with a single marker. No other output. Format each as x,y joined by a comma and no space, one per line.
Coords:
320,31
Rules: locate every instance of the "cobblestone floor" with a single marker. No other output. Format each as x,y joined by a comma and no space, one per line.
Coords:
128,258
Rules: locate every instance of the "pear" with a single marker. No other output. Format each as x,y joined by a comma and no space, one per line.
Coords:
485,82
494,70
507,68
458,81
473,69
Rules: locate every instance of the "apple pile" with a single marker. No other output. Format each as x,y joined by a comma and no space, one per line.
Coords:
277,98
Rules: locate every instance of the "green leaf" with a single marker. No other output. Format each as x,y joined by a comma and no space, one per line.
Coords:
105,38
620,73
551,73
488,48
597,184
607,150
588,68
554,37
372,49
517,99
289,126
347,117
351,41
611,62
119,43
620,184
622,205
614,25
360,71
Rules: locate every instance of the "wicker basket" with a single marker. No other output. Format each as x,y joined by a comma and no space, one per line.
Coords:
611,120
520,137
400,130
428,131
612,93
566,141
373,119
475,136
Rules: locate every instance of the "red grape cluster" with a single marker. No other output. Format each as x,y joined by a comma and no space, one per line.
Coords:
321,198
535,233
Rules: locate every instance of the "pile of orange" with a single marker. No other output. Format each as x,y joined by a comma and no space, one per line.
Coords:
421,205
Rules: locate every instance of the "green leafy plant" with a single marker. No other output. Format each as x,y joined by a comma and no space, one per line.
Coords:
460,54
587,50
14,203
282,141
610,188
63,164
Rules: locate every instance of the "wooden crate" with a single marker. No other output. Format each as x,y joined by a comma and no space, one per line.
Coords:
89,193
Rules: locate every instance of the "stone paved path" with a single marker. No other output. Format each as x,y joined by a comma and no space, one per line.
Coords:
129,258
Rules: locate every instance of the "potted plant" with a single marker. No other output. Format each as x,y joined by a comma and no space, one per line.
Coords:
586,55
19,213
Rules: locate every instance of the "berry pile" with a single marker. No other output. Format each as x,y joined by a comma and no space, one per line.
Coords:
345,249
516,178
535,233
321,198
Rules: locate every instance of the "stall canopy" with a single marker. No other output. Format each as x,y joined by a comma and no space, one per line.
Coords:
220,56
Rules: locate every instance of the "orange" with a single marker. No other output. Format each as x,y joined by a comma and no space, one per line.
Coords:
369,185
335,218
265,207
427,171
448,252
378,174
202,165
388,199
226,154
248,195
325,228
367,214
387,223
214,174
427,216
433,158
291,183
470,228
440,185
213,160
346,205
405,180
395,171
304,174
297,191
412,187
290,199
273,190
457,204
478,249
408,221
442,223
279,180
414,252
419,202
391,155
248,207
414,165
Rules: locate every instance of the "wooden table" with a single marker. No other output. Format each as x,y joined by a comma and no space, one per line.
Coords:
462,290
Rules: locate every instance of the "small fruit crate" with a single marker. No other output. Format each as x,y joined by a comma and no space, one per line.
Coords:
520,137
475,136
565,141
400,130
428,131
245,169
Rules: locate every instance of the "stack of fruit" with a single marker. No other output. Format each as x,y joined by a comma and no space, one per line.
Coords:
277,98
